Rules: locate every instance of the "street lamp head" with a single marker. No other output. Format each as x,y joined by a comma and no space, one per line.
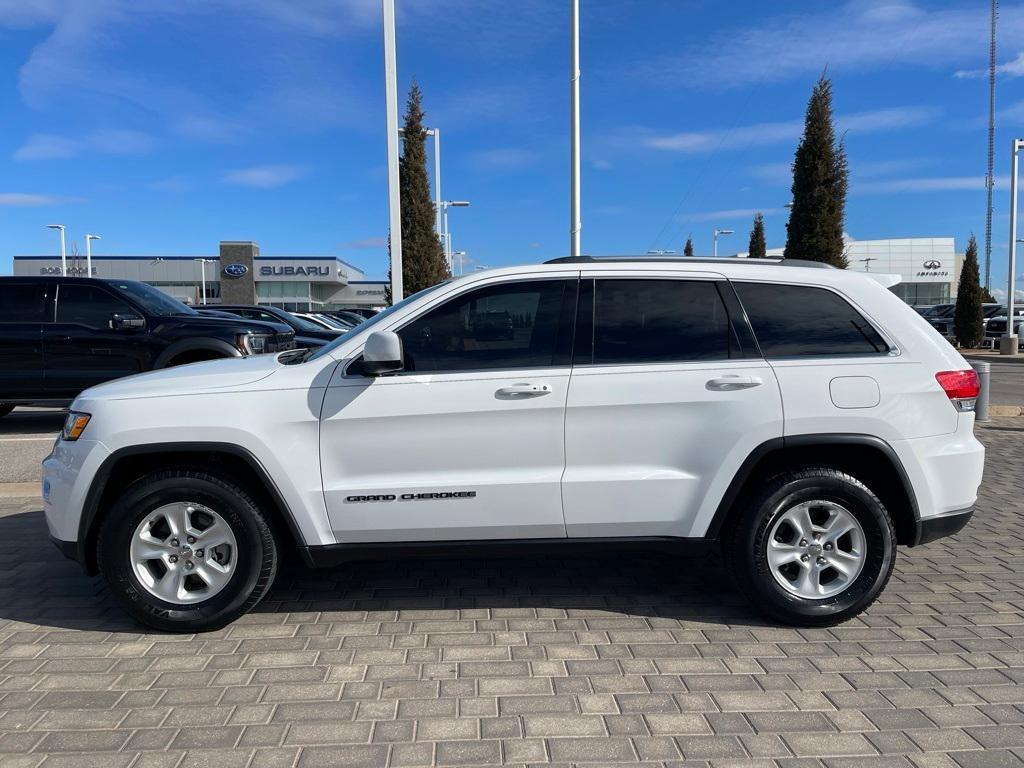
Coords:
55,226
724,231
93,237
458,203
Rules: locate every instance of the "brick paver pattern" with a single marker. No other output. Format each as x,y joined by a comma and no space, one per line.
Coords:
622,658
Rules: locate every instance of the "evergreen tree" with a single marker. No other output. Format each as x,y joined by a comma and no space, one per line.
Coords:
967,320
688,248
423,260
757,248
820,180
986,296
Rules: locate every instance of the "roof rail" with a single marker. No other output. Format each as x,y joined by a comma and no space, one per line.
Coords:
691,260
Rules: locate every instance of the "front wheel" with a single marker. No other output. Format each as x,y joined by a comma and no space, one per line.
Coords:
186,551
814,548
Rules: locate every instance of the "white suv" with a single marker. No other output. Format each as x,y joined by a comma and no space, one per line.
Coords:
802,418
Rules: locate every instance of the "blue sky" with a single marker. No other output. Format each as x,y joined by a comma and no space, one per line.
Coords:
168,125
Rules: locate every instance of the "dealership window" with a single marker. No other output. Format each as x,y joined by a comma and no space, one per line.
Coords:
653,321
290,290
801,321
22,303
514,325
922,294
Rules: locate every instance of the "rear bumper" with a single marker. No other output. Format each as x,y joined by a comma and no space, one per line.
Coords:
933,528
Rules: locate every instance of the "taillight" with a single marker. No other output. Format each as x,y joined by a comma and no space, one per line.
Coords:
961,387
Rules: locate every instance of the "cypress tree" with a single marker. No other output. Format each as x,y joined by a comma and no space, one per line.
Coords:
423,261
820,180
688,248
757,248
967,321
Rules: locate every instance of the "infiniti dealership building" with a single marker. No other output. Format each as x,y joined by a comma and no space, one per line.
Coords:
928,267
238,274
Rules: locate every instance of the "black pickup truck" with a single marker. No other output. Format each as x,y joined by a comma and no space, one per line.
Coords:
61,335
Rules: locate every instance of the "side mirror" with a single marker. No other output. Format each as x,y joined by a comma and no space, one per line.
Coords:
382,354
126,321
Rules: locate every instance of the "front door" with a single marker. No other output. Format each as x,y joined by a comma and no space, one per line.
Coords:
668,397
467,442
22,312
80,348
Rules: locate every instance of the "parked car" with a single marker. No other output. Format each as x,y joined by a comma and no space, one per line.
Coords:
307,333
325,323
61,335
946,325
761,411
348,316
996,326
938,310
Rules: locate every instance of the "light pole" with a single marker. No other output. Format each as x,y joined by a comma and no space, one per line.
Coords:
445,205
391,109
1008,344
720,232
202,267
88,253
867,262
461,255
575,222
63,253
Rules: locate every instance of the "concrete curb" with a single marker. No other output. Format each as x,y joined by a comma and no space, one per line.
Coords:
19,491
1005,410
993,357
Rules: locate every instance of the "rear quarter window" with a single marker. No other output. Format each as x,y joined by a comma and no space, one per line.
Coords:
803,321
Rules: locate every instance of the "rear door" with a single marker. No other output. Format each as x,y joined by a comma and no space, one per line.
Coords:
22,313
80,349
668,397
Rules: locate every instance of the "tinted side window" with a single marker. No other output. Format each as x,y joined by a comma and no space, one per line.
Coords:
799,321
516,325
651,321
22,303
88,305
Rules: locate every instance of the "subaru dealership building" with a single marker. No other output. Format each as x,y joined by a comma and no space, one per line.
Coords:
238,274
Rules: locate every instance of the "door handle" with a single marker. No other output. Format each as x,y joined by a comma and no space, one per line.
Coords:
524,390
727,383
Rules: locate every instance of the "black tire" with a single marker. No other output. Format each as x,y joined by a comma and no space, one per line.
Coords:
746,546
5,408
257,552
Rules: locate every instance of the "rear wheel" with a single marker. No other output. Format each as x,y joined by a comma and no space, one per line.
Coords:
186,551
814,548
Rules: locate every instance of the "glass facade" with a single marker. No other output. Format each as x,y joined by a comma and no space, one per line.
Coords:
922,294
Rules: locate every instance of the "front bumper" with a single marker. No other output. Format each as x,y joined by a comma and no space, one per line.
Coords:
67,474
933,528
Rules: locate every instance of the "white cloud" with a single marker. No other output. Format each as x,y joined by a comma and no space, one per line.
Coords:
1010,69
47,146
759,134
925,184
266,176
730,213
859,35
27,199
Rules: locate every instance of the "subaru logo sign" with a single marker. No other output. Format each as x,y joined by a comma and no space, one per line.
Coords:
932,264
236,270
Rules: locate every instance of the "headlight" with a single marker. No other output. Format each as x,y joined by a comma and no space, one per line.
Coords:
253,343
74,425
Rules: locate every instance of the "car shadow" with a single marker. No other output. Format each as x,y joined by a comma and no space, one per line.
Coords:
41,587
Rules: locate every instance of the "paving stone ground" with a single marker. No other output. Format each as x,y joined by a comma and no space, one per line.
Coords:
619,659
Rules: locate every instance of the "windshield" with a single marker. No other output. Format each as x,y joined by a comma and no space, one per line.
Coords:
152,299
382,315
